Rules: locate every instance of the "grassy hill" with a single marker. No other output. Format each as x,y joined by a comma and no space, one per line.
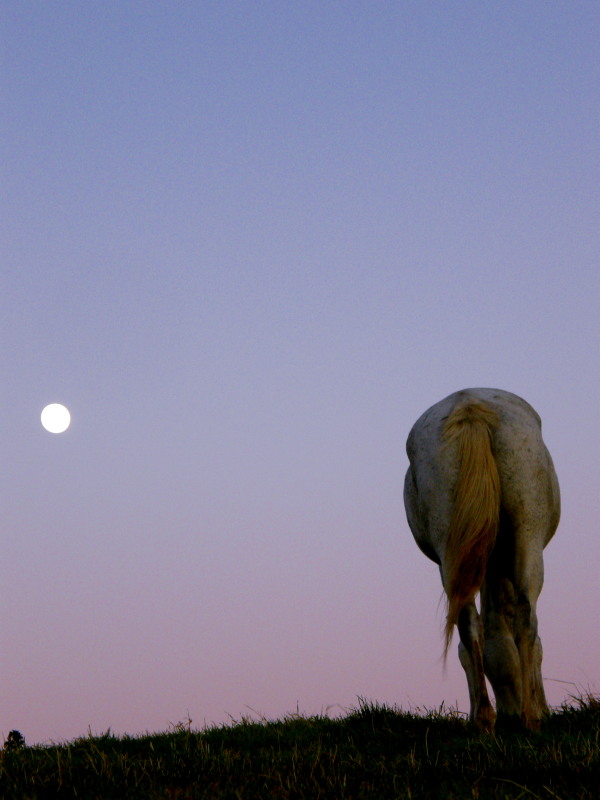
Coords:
374,752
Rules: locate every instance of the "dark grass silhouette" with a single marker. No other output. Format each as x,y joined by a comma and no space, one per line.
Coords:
373,752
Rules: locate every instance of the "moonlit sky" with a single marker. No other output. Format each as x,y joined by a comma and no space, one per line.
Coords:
247,245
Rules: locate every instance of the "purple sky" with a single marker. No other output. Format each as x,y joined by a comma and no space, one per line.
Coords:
248,244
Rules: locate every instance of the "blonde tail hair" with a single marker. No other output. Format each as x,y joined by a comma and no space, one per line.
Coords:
476,512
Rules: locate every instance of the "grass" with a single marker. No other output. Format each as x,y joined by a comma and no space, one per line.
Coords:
373,752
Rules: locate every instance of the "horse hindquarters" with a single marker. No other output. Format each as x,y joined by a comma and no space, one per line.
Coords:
475,457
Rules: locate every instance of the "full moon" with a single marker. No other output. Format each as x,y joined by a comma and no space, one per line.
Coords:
56,418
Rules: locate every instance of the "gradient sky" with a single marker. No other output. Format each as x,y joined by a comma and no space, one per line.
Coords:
248,244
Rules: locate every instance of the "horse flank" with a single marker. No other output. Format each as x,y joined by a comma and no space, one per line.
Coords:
476,512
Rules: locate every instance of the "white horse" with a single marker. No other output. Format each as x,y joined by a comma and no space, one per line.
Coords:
482,501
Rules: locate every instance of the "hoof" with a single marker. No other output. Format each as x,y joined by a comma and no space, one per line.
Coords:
485,719
532,724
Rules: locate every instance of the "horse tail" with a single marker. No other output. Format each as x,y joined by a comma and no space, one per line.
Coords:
476,506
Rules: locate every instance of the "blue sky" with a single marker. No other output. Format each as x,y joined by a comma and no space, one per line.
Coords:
248,245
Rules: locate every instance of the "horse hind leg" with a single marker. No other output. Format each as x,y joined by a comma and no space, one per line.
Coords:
470,653
529,581
500,656
529,645
539,695
513,650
